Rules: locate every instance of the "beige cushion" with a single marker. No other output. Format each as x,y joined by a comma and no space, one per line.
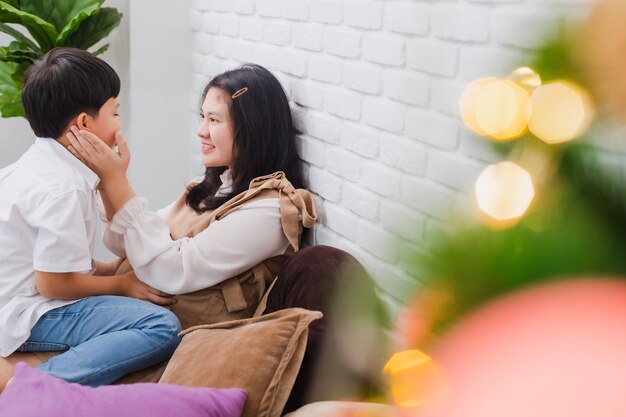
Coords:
344,409
261,355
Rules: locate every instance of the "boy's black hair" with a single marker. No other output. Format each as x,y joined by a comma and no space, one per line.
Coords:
62,84
264,135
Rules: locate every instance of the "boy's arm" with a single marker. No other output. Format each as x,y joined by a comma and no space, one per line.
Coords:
75,285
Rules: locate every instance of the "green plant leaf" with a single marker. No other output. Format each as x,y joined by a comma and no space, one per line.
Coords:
94,28
10,91
78,17
18,36
17,52
18,56
18,74
14,3
102,49
59,13
8,85
43,32
12,107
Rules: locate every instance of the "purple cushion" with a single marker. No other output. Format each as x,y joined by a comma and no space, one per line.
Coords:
33,393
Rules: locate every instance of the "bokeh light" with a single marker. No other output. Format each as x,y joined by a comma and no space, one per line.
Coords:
414,376
527,78
561,112
504,191
495,108
467,102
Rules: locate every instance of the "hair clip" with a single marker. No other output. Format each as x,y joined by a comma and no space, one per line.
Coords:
239,92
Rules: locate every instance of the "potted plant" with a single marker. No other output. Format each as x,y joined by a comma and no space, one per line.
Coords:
50,24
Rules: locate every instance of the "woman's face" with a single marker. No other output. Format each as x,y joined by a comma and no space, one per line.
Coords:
216,131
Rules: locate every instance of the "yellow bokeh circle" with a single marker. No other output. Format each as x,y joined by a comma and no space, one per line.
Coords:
504,191
495,108
561,111
467,103
526,78
413,376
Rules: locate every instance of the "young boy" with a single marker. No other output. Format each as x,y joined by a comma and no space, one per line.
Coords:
53,296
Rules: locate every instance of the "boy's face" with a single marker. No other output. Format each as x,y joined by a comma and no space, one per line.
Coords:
107,123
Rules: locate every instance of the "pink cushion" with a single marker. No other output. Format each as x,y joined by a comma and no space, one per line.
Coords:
33,393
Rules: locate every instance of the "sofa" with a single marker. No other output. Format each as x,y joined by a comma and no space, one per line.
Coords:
290,357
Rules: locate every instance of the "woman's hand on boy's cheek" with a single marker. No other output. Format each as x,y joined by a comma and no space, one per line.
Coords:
103,160
78,146
72,149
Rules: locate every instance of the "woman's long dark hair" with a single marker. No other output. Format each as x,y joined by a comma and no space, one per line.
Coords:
264,136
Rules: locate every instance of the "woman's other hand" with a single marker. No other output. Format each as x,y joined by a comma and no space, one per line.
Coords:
108,268
108,164
132,287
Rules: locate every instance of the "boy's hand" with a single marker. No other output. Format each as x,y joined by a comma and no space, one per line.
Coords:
132,287
104,161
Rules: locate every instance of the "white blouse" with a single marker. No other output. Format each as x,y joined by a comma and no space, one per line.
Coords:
223,250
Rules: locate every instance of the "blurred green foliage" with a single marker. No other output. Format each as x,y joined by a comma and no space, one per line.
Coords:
576,226
50,24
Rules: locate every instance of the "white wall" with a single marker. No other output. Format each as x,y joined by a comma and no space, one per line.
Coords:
15,137
160,72
375,85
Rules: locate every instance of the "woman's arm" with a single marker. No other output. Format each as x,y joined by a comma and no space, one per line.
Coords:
225,249
107,268
115,242
109,211
75,285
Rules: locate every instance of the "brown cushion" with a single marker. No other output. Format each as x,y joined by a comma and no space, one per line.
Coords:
261,355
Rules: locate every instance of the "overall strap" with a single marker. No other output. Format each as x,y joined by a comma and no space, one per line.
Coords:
296,205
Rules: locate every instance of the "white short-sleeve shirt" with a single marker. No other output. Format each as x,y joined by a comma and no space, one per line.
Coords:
47,223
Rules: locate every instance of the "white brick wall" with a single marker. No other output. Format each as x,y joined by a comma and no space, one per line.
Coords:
374,86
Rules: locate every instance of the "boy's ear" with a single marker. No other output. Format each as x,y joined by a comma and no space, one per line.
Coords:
83,120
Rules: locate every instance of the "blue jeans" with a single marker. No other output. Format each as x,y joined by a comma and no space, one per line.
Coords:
105,337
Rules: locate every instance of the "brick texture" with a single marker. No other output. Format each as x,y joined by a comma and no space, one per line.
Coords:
374,86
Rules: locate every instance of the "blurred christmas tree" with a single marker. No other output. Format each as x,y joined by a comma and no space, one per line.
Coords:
528,286
556,209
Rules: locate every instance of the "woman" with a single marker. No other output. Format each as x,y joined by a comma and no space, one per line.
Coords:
222,242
